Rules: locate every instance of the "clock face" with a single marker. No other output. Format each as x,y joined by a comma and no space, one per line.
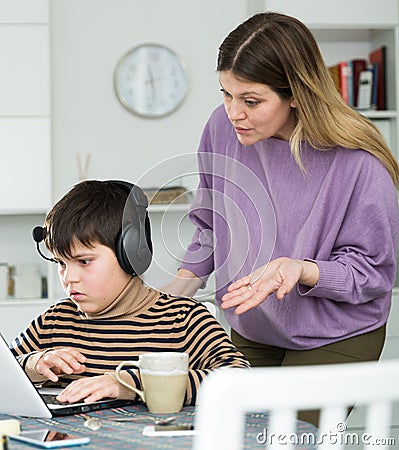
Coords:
151,81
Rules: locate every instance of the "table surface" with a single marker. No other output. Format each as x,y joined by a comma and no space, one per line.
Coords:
128,434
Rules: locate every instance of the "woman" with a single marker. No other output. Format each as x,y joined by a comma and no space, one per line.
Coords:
296,206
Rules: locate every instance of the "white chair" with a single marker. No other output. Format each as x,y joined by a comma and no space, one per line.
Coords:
213,309
226,395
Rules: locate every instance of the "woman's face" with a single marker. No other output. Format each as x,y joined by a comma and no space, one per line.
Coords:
256,111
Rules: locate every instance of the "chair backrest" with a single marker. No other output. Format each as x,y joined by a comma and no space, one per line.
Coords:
213,309
227,394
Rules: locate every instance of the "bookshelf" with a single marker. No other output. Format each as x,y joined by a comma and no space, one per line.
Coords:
346,30
356,41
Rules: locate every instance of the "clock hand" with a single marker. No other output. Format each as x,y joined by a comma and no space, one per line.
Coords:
151,80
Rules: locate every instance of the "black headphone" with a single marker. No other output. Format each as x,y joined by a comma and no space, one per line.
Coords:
133,245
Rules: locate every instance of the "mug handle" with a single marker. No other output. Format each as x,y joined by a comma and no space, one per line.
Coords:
119,378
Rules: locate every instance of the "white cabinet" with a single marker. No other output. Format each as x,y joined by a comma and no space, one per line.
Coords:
25,74
25,159
25,128
25,133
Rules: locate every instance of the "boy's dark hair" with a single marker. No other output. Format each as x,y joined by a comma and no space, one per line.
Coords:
90,212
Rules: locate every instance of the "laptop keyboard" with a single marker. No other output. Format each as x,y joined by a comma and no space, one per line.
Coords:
51,399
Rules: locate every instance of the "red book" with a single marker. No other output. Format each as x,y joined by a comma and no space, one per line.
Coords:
344,78
379,56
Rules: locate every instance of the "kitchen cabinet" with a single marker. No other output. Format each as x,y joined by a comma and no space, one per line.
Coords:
25,143
26,161
25,126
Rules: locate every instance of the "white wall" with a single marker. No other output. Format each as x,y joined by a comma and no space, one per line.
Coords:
88,37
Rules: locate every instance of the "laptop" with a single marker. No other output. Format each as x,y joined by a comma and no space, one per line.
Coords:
19,396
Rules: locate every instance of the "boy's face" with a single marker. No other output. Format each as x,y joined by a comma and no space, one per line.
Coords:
92,277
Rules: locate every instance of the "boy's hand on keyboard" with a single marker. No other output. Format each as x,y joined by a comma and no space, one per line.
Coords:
90,389
65,360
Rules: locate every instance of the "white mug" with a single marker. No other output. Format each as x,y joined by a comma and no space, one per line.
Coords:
164,380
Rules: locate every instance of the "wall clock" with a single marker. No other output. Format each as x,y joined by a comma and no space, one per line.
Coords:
151,80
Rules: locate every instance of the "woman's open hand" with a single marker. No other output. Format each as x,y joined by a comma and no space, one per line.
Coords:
280,276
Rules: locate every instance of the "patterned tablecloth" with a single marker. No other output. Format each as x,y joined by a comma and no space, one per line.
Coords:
128,434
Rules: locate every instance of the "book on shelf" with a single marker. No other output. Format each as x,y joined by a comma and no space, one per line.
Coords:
352,76
346,78
377,58
374,68
342,76
365,95
345,73
358,65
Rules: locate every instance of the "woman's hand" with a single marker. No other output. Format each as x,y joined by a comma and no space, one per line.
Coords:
90,389
280,276
65,360
185,283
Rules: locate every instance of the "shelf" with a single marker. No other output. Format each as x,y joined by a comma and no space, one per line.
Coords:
380,114
22,211
23,302
175,207
341,33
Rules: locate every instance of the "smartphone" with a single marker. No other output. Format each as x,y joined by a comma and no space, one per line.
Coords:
47,438
169,430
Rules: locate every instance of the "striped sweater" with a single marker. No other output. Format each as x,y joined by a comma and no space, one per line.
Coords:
140,320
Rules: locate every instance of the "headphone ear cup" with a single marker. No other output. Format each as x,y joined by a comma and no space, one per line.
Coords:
121,255
136,245
133,246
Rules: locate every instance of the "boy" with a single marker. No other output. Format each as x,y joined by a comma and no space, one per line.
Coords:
99,235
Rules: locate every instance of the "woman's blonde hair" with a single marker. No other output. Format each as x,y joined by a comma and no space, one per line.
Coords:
281,52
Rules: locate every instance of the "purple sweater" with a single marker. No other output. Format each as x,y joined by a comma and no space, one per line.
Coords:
254,204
